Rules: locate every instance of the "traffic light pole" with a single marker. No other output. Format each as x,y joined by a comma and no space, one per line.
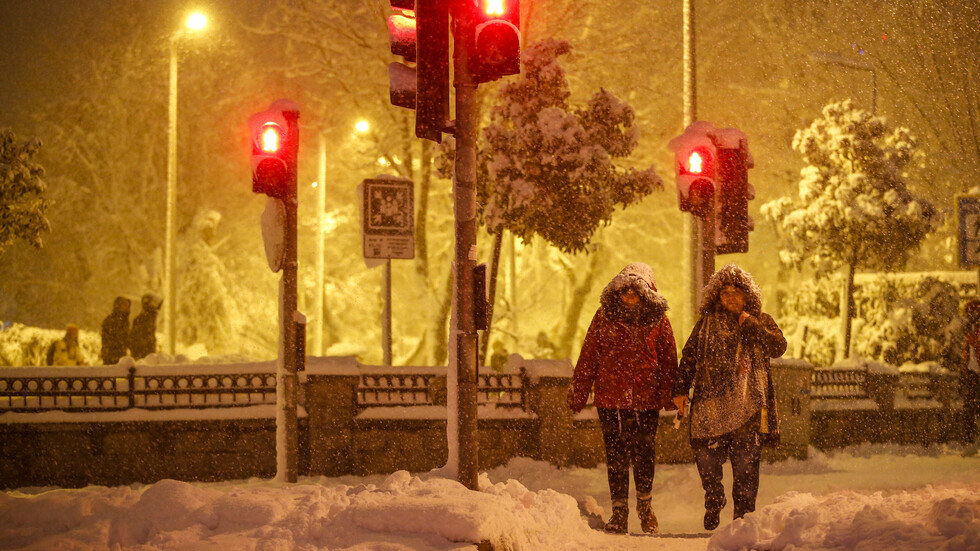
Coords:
287,468
464,206
699,232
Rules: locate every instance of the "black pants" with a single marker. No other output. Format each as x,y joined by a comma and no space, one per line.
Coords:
970,389
743,448
630,438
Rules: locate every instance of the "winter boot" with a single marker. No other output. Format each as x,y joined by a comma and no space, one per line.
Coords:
712,516
648,520
618,521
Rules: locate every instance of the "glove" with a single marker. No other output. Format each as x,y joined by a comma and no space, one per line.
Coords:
681,402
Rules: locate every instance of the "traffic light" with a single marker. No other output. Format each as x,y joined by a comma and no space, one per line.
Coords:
696,176
734,223
712,168
419,32
496,49
274,148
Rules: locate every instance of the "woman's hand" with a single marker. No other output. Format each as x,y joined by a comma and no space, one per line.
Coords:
681,402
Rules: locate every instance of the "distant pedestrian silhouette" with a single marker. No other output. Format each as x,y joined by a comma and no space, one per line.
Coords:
143,336
115,332
65,351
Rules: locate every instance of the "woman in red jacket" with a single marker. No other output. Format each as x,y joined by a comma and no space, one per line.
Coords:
628,361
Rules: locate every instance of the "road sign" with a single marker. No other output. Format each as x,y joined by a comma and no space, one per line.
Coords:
388,218
968,222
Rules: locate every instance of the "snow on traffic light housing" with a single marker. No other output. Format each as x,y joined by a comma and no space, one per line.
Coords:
497,40
695,155
712,181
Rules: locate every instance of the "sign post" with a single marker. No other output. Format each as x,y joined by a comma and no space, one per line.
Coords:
388,227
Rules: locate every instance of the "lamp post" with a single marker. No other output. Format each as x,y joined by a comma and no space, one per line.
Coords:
326,224
195,22
841,61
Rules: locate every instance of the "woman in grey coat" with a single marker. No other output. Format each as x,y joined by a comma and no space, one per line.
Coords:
733,408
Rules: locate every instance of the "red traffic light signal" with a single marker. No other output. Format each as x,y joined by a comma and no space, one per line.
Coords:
421,36
695,173
271,137
698,162
275,141
496,48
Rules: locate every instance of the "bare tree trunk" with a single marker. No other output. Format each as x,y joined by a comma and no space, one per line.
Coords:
421,242
494,265
846,312
440,342
580,290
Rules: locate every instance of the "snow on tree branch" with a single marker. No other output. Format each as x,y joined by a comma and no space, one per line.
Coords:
22,202
549,169
854,205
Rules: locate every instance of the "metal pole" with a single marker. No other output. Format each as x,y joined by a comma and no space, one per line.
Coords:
169,295
699,269
706,249
386,314
690,66
464,204
287,445
321,248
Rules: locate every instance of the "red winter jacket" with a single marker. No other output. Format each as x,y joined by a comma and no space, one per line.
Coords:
629,367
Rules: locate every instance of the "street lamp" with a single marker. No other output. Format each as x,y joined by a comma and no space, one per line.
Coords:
195,22
841,61
326,223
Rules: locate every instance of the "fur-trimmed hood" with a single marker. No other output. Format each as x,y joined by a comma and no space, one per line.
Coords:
736,276
639,277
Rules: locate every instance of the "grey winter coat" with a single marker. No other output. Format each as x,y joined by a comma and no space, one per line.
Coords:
728,362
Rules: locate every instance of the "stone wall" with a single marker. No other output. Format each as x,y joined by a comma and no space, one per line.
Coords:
338,435
114,453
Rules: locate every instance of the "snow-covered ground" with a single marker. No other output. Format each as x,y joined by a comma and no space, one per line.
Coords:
868,498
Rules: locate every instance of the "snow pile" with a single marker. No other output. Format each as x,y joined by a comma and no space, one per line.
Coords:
928,518
421,514
867,498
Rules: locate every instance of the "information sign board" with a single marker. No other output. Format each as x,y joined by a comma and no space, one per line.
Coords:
388,218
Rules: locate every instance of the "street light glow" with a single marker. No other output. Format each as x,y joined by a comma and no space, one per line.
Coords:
197,21
362,126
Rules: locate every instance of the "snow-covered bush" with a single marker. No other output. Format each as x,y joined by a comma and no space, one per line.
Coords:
22,345
896,321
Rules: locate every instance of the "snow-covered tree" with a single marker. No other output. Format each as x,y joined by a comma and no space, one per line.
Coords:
546,169
207,311
550,168
854,208
22,202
